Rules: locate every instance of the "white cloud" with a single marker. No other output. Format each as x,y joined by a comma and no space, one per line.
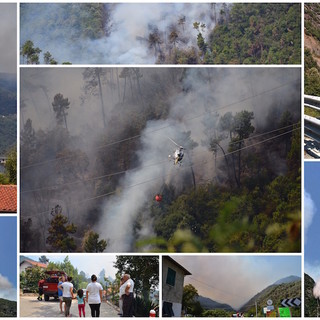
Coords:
7,291
313,270
309,212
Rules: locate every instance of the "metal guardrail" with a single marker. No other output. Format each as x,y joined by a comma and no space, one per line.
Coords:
312,127
311,124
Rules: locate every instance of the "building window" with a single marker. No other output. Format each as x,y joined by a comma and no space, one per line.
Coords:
171,277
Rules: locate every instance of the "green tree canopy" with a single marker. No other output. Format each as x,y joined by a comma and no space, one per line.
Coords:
59,234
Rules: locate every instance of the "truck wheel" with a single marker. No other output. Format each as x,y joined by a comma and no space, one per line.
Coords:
46,297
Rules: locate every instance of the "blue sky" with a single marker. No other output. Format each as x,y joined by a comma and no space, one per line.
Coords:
8,258
236,279
90,264
312,218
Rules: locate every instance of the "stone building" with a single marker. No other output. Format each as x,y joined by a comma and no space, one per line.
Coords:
172,287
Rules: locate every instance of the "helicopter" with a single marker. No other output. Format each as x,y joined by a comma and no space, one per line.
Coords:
177,155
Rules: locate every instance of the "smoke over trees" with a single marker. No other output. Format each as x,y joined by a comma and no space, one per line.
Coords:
240,131
179,33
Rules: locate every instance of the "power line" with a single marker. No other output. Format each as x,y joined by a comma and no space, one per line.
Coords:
170,174
211,286
139,168
169,125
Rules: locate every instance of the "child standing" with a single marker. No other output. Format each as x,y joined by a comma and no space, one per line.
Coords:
81,303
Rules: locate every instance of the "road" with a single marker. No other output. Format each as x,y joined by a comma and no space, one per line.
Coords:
311,148
31,307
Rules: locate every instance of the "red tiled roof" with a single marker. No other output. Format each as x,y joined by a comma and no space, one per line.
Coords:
8,198
35,263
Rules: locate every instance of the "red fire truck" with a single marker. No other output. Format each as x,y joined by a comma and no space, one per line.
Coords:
50,285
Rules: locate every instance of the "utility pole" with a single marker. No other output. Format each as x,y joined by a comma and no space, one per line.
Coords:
256,309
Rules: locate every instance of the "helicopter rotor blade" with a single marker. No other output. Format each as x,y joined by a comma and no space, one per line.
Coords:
173,142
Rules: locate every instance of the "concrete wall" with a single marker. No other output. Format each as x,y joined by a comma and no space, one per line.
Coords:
174,293
24,265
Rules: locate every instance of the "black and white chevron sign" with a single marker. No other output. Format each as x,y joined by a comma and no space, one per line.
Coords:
294,302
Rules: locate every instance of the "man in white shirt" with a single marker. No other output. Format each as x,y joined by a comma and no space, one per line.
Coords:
128,296
67,294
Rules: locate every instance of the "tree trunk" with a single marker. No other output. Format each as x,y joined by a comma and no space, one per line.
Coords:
124,90
226,159
101,100
239,164
192,172
65,119
118,84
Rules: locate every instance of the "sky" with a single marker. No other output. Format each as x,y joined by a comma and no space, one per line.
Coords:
312,219
90,264
8,37
8,258
236,279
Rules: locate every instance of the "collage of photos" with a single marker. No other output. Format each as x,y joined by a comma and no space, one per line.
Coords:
151,160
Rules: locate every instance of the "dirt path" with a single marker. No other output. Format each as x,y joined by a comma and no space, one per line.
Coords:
31,307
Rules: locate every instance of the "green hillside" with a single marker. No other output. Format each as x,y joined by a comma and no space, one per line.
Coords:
257,33
276,293
312,53
310,303
8,308
248,34
8,133
8,112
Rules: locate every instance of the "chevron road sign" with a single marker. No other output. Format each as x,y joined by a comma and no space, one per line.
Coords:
294,302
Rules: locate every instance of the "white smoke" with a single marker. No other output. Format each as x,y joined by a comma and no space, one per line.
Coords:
128,31
316,290
309,212
188,110
140,186
7,291
192,96
8,37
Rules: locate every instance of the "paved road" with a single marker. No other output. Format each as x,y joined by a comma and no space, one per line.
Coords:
31,307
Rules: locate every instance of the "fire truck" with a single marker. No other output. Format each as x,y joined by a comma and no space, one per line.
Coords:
50,285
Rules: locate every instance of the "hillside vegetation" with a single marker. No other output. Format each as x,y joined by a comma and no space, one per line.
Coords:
312,54
8,308
276,293
239,190
256,34
250,33
8,112
310,303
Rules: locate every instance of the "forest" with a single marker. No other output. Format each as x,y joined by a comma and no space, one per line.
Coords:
212,33
8,128
311,54
94,156
8,112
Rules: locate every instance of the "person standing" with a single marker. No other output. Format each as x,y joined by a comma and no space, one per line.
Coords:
121,293
60,292
81,303
40,286
67,293
128,299
94,296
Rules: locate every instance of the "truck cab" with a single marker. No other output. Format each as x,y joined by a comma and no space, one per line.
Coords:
50,286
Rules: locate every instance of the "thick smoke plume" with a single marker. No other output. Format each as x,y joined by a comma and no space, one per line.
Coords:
316,290
183,104
236,279
126,31
8,37
7,291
